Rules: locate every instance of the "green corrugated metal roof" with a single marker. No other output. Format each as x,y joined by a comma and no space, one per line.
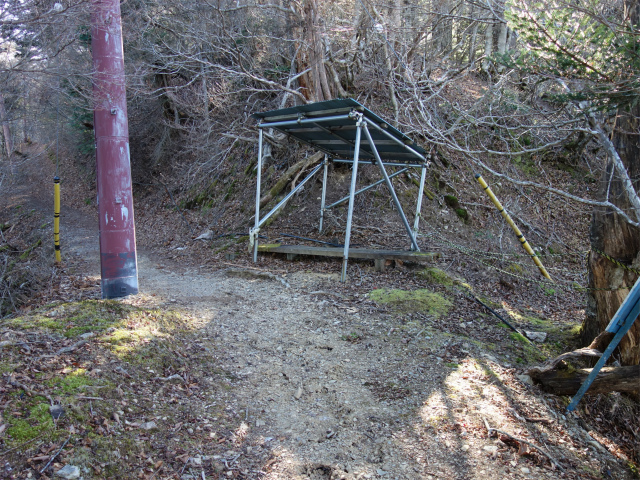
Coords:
336,136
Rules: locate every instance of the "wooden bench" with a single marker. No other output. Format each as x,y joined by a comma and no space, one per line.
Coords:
378,256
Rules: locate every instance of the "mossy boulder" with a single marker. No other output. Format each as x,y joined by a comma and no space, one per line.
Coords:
406,301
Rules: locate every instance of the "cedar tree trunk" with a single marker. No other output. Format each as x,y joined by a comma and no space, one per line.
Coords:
613,236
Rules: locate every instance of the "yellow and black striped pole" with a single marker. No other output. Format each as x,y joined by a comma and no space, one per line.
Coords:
56,217
515,228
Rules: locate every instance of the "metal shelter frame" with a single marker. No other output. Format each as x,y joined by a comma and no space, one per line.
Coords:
346,132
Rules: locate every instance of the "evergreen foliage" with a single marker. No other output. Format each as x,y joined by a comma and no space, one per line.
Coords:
592,51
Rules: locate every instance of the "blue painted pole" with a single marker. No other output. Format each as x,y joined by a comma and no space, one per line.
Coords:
621,322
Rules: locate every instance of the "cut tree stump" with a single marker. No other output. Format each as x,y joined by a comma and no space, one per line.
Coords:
609,379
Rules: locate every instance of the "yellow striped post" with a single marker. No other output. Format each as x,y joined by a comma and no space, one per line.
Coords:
515,228
56,218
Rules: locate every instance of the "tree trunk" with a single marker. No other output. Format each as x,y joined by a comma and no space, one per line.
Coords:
336,80
616,238
488,47
206,121
318,85
6,131
25,135
356,44
389,64
474,36
502,42
443,32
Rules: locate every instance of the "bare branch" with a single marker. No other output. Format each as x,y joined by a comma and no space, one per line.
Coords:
526,183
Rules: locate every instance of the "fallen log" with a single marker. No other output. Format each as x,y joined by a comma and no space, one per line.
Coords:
286,177
553,363
427,193
609,379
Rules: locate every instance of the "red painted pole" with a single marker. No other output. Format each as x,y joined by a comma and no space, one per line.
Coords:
115,200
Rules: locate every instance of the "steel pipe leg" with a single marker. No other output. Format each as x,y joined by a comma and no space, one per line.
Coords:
258,180
352,192
324,191
416,221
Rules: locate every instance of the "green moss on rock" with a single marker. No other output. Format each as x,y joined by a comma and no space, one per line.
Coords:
405,301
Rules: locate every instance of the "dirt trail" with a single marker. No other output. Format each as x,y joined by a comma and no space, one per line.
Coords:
321,388
336,391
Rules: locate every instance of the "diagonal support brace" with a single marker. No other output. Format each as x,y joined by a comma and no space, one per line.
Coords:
392,191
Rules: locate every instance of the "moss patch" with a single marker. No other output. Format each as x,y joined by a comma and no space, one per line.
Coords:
515,268
561,335
405,301
437,276
74,319
518,337
201,196
75,380
7,367
266,246
98,316
463,214
575,330
451,201
132,340
35,422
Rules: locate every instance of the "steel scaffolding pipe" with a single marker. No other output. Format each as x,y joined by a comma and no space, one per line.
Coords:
301,121
283,202
323,198
387,180
386,164
365,189
396,140
115,200
416,221
352,194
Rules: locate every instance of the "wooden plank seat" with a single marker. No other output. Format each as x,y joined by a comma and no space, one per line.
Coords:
379,256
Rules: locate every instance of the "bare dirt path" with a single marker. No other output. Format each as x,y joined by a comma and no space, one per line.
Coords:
337,391
317,387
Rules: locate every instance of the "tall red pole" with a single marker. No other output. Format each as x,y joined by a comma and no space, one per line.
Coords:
115,200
